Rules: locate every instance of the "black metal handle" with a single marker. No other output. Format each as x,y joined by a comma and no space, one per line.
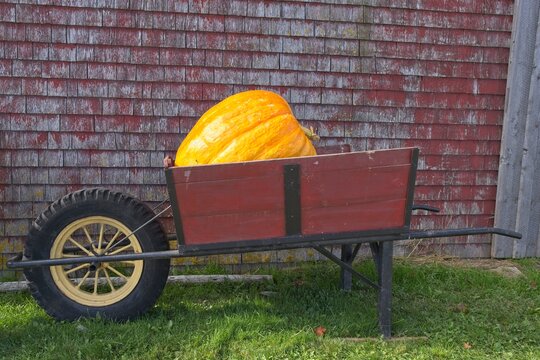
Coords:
424,234
425,207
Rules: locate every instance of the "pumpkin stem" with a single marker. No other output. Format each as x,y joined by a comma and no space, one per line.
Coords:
310,133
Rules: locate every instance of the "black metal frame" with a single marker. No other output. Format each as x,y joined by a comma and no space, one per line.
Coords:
179,228
19,262
381,242
381,246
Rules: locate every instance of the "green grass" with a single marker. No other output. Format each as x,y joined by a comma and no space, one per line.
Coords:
498,317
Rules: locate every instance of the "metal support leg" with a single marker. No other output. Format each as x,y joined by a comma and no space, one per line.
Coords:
352,270
385,291
376,254
346,276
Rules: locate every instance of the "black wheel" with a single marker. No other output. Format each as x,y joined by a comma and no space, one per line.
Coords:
86,223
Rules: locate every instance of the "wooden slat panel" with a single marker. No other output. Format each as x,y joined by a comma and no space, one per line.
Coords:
232,209
317,163
231,196
357,217
224,171
354,186
233,227
362,160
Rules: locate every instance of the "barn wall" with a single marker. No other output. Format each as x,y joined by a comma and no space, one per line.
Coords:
97,92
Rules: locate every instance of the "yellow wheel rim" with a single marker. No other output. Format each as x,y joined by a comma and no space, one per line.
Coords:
96,284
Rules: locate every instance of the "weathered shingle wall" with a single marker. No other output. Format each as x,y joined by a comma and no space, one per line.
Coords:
96,92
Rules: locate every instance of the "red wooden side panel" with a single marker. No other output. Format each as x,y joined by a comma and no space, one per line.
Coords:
364,198
232,209
339,193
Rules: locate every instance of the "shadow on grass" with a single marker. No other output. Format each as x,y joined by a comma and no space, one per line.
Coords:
209,315
451,306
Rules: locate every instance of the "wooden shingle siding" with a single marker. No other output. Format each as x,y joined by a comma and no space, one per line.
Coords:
98,92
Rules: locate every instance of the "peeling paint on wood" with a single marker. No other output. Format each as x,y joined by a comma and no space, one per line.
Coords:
95,95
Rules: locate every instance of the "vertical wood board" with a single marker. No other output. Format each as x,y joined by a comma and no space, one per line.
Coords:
517,194
528,214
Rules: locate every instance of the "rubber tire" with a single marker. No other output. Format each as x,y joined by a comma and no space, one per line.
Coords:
96,202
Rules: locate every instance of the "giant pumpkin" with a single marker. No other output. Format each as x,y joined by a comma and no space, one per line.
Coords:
251,125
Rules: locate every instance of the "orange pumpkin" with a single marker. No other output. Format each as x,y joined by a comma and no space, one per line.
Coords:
251,125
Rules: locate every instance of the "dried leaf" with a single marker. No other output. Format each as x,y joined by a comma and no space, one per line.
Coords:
467,346
533,285
319,330
460,308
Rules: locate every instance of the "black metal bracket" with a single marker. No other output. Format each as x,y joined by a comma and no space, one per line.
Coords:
175,207
293,210
425,207
425,234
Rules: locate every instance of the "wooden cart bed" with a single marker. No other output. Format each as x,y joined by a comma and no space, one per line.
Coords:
325,194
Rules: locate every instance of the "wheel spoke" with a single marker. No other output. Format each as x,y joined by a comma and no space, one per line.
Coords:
70,256
88,237
128,262
116,272
83,279
96,278
77,268
118,232
109,279
80,246
123,248
101,230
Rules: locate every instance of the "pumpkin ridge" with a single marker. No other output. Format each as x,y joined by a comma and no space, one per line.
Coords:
241,100
273,149
217,146
284,120
226,138
231,118
276,123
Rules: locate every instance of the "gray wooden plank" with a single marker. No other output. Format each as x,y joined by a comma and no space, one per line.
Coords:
528,215
520,66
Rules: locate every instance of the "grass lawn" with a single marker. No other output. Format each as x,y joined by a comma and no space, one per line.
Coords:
465,313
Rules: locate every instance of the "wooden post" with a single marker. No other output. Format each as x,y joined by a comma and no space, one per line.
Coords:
517,163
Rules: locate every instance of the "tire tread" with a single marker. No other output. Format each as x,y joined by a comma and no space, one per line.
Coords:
54,210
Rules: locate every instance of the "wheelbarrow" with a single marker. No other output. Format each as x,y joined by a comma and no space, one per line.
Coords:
97,251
